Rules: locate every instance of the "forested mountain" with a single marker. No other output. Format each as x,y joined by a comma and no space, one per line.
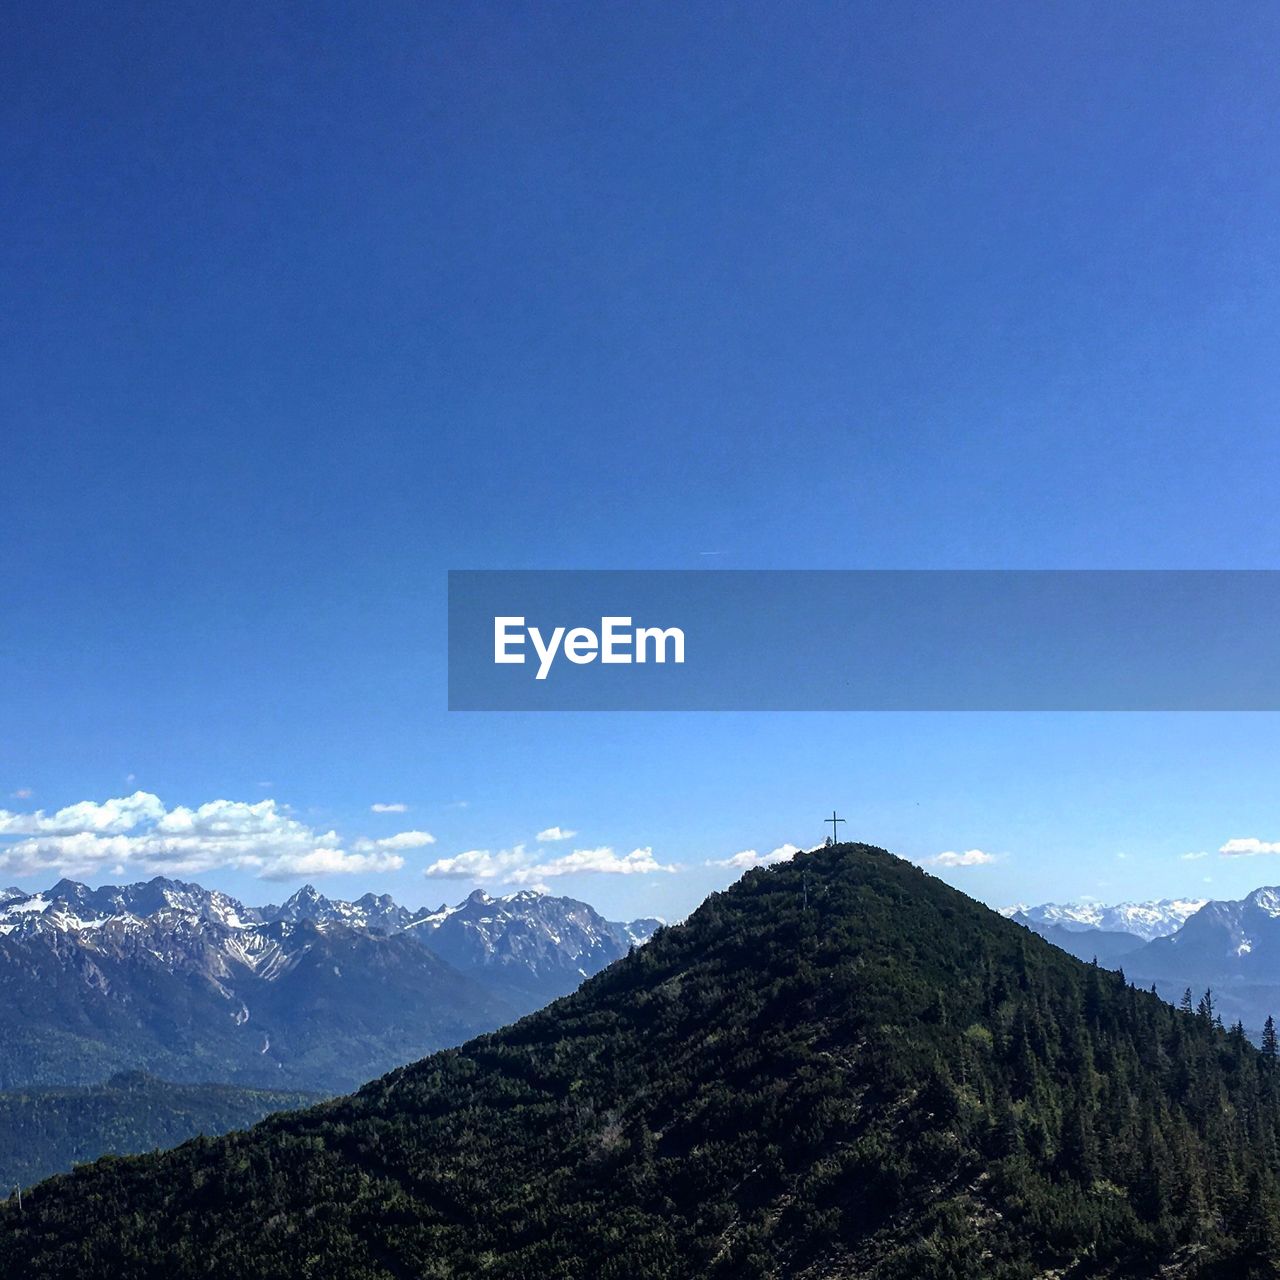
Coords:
45,1131
318,994
838,1067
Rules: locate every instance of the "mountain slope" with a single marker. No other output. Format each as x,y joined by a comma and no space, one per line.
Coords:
278,1005
1232,947
891,1082
44,1131
1223,941
192,985
1106,946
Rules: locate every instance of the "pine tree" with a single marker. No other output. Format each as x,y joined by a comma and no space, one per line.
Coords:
1187,1006
1270,1042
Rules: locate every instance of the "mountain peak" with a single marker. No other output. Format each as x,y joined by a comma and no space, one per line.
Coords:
308,904
68,888
1266,899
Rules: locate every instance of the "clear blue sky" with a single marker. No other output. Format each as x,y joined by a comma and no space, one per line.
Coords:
305,305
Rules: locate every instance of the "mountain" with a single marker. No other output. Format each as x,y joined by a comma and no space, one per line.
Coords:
317,994
536,946
1145,920
1231,941
378,913
279,1005
1232,948
47,1131
840,1067
1107,946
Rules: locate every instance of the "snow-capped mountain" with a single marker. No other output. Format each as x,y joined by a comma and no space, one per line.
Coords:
1232,947
379,913
1145,920
72,905
1239,941
540,944
315,993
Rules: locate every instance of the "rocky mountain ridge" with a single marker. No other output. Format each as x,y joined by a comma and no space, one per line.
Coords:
317,993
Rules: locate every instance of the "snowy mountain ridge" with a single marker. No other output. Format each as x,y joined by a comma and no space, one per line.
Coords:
1145,920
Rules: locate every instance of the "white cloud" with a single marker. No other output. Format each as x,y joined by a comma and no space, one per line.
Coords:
70,855
596,862
109,817
22,793
520,866
475,864
402,840
395,807
229,819
749,858
1248,848
263,838
1194,857
970,858
330,862
555,833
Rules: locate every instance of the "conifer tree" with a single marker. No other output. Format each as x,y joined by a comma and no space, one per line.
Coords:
1270,1042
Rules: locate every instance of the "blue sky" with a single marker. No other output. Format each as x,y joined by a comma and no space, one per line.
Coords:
304,307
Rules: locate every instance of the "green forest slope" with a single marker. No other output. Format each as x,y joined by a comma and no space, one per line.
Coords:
47,1131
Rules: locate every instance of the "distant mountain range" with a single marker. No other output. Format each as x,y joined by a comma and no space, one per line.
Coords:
318,994
1232,947
1144,920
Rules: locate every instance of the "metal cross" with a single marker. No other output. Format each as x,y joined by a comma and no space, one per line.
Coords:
833,820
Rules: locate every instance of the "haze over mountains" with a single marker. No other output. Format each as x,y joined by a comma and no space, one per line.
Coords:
840,1067
319,994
